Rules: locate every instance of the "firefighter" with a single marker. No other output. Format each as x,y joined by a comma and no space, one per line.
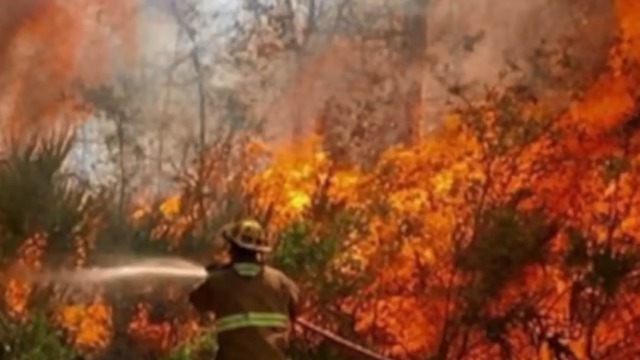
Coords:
254,304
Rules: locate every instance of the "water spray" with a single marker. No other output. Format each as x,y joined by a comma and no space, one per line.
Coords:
103,275
163,268
174,269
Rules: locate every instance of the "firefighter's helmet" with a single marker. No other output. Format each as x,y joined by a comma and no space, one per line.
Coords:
247,234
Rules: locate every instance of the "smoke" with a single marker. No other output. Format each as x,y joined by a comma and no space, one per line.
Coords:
12,15
554,48
47,46
332,73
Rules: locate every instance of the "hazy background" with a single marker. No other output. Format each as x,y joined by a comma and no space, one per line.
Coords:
354,68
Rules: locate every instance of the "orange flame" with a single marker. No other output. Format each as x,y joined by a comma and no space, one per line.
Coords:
49,45
87,325
18,290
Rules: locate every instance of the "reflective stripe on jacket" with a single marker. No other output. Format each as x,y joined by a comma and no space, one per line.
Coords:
237,321
253,305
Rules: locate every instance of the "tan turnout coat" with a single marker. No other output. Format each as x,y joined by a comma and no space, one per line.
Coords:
254,306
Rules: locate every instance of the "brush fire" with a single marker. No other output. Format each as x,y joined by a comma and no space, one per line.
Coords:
498,221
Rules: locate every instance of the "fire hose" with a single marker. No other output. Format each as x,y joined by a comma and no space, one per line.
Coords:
340,341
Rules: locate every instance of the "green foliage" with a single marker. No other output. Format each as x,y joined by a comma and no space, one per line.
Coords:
121,235
614,166
182,353
34,339
309,251
507,128
599,264
300,252
610,268
37,197
201,347
507,241
301,350
577,252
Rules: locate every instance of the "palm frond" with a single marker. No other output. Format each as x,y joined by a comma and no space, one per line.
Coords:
35,197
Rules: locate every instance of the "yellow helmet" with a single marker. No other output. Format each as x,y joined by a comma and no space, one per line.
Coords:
247,234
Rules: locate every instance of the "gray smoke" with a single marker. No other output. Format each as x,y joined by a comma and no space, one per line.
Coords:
359,55
552,48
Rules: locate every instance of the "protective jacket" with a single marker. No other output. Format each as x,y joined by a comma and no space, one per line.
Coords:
254,307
